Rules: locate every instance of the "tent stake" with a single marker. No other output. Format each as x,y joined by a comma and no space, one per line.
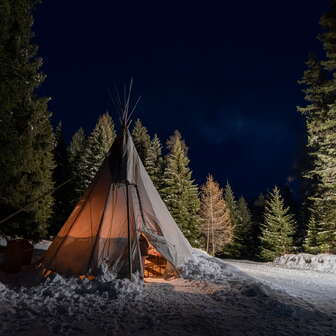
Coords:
129,235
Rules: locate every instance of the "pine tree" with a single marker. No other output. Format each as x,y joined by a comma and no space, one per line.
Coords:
232,204
172,139
26,139
290,202
62,174
313,80
233,249
320,93
180,193
216,223
259,204
278,228
154,162
258,212
245,233
311,242
76,147
97,146
141,139
75,154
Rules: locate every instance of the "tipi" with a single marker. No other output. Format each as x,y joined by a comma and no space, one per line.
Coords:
105,226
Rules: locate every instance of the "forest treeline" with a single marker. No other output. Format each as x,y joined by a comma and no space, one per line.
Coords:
210,216
35,158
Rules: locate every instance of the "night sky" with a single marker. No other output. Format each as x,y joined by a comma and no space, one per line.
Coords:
223,73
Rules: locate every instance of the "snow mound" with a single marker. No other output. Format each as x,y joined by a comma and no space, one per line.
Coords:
3,241
320,262
42,245
207,268
58,298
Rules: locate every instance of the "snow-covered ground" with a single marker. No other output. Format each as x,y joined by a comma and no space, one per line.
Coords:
316,288
215,297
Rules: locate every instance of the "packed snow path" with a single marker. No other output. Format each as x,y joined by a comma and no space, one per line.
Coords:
316,288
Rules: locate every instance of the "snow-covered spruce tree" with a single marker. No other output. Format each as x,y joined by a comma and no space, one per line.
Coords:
154,162
62,174
179,191
319,81
141,139
75,152
278,228
245,232
97,146
216,224
26,139
311,243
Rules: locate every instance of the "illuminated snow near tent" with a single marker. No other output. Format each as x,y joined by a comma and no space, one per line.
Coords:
214,297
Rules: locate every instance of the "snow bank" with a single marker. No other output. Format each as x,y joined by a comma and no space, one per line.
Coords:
208,268
321,262
42,245
3,241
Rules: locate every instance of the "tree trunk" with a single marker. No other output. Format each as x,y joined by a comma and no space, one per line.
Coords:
212,228
208,238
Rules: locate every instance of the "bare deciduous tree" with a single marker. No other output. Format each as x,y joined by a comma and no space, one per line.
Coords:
216,222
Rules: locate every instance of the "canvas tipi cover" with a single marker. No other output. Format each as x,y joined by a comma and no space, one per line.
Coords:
105,225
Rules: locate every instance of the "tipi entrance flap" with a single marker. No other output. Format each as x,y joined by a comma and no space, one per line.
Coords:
157,216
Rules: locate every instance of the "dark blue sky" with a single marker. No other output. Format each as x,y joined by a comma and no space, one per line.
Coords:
223,73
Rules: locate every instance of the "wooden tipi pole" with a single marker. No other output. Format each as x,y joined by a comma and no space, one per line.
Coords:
129,235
